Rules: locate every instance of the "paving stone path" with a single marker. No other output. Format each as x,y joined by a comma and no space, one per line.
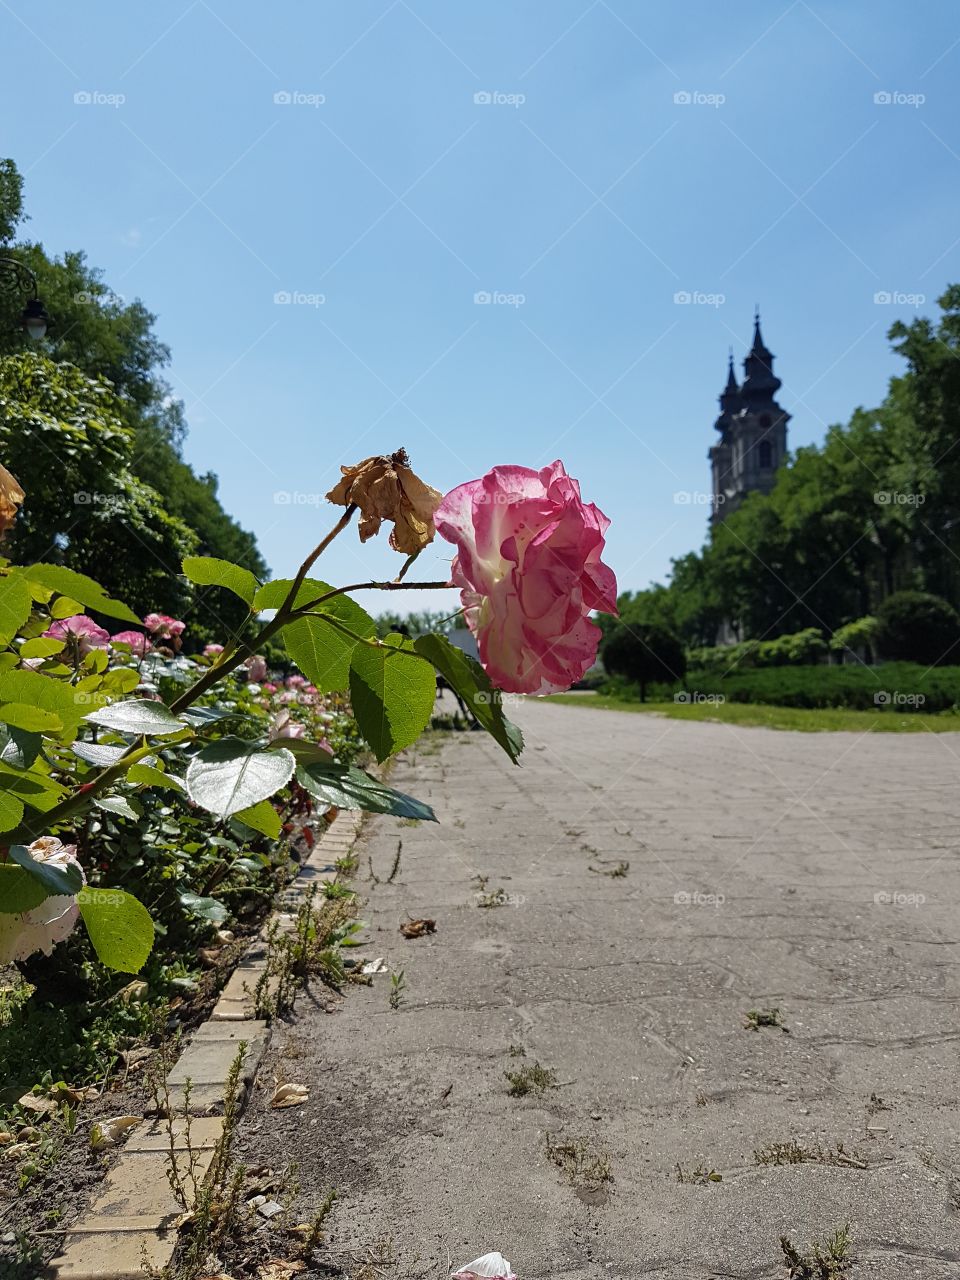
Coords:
815,874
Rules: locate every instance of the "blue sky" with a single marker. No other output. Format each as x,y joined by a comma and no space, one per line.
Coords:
422,152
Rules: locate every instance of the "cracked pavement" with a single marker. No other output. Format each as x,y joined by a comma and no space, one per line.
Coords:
816,874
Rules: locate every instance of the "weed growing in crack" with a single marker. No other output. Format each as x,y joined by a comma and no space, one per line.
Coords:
754,1019
794,1152
582,1163
824,1262
535,1079
497,898
398,987
615,872
701,1176
876,1105
316,1234
311,949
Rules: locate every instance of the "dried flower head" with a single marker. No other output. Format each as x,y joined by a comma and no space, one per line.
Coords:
11,495
386,489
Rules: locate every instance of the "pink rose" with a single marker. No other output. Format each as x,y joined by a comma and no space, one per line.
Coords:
257,669
212,650
163,626
52,921
80,631
282,726
268,687
137,641
529,568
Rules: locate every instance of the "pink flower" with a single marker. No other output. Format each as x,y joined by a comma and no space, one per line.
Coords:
529,568
257,669
80,631
52,921
282,726
138,642
295,682
163,626
212,650
268,687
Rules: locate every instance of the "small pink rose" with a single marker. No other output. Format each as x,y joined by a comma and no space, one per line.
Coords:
163,626
529,568
268,687
282,726
212,650
257,669
80,631
136,640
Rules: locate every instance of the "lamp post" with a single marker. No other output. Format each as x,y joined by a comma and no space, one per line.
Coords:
16,277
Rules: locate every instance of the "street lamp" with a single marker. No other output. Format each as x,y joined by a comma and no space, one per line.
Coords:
15,277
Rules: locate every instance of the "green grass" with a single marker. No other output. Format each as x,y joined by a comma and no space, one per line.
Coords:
822,720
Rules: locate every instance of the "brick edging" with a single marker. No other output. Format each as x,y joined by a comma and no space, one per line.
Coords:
132,1221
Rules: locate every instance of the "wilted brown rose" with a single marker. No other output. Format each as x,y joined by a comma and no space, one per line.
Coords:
11,495
386,489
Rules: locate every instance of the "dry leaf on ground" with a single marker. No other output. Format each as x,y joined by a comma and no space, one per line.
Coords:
417,928
107,1132
40,1106
279,1269
290,1095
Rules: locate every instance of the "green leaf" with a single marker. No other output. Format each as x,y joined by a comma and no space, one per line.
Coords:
147,775
208,909
348,787
11,811
207,571
18,748
119,926
81,588
98,753
230,775
467,678
137,716
262,817
41,647
392,693
65,607
321,651
21,715
19,891
54,879
51,695
15,605
118,805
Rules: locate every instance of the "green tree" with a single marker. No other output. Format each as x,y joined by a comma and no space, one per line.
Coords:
643,653
914,626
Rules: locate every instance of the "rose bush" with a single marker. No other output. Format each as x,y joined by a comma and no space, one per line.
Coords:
528,562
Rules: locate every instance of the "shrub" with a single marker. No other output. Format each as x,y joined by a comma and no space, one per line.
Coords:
893,686
913,626
643,654
798,649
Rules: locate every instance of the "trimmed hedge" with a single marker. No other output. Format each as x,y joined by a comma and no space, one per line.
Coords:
899,686
802,647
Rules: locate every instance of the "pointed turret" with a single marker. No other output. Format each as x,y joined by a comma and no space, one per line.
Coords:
759,382
730,399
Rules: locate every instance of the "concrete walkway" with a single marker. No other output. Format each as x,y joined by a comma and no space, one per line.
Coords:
815,874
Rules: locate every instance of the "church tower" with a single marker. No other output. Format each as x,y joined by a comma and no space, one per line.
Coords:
753,431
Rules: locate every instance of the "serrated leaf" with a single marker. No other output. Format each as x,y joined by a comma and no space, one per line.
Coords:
67,880
51,695
321,651
467,678
208,571
147,775
98,753
41,647
19,891
231,775
392,693
18,748
21,715
348,787
11,811
15,606
137,716
118,805
261,817
81,588
119,926
209,909
65,607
